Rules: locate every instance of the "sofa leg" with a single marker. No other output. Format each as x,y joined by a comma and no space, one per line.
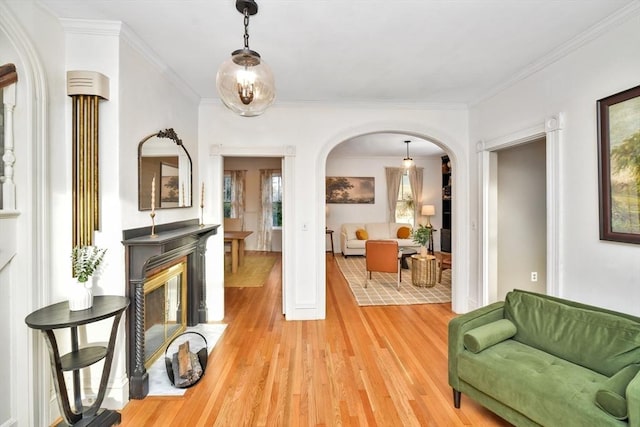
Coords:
456,398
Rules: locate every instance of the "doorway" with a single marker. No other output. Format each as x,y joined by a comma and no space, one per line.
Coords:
548,135
252,199
521,218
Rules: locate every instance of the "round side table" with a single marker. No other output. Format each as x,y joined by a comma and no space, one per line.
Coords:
423,271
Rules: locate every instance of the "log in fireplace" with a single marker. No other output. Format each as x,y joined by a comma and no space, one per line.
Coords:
179,243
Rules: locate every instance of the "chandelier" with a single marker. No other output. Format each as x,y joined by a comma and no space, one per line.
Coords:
245,82
407,162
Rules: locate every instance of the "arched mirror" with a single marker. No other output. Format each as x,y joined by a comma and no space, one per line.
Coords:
164,172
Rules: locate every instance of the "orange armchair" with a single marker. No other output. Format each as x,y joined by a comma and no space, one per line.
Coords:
382,256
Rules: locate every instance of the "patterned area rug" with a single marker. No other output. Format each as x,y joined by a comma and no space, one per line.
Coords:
382,289
252,273
159,383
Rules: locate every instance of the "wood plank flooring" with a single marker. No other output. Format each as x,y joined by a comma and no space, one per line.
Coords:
370,366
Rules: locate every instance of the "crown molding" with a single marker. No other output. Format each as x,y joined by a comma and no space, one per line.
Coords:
629,11
119,29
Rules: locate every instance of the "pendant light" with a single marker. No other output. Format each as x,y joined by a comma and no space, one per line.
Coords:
245,82
407,162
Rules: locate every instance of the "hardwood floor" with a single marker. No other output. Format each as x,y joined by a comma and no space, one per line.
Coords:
369,366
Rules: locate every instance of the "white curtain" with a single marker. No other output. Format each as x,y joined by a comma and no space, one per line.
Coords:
238,196
394,175
265,220
415,180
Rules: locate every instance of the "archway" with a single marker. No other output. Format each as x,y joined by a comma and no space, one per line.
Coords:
459,248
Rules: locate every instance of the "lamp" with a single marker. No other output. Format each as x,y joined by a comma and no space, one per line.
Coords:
407,162
245,82
428,211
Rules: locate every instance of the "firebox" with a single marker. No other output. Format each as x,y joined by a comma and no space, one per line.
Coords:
165,295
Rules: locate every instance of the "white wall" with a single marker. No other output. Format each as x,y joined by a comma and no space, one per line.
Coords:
142,101
375,167
308,132
592,271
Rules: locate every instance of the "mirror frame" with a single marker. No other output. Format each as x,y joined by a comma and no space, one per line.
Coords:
170,134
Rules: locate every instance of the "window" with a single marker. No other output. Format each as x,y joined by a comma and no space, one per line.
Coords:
227,194
405,204
276,197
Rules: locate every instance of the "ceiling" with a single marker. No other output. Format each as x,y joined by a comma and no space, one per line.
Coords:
400,52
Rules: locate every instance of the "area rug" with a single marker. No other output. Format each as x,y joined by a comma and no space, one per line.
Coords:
159,383
252,273
382,288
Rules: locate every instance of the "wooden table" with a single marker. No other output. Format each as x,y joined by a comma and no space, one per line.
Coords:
237,247
58,316
443,259
330,234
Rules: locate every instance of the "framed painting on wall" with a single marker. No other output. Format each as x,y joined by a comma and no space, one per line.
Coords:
169,192
619,166
346,189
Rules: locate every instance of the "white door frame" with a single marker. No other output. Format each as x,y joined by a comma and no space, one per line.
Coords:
551,130
216,163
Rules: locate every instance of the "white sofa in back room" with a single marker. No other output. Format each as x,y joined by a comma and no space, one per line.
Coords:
351,245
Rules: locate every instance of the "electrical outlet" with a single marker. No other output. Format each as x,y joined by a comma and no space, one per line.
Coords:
305,226
534,276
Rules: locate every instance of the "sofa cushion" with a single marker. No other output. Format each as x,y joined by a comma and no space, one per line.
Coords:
487,335
356,244
611,396
378,230
597,339
403,233
350,230
540,386
361,234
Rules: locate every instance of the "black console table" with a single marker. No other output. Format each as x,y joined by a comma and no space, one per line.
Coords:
58,316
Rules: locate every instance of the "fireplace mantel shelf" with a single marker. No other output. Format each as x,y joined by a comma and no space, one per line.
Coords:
162,237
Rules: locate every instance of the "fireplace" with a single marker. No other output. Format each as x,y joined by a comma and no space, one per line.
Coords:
152,288
165,295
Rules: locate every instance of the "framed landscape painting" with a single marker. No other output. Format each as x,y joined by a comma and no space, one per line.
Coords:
344,189
619,166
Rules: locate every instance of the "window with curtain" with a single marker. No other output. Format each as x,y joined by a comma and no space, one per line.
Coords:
227,194
276,197
405,205
234,193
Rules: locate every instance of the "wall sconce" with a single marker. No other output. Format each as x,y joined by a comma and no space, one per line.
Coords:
86,88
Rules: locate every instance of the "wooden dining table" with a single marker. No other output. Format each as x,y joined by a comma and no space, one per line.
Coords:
237,247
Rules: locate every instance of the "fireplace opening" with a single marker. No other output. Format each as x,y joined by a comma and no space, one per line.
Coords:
165,316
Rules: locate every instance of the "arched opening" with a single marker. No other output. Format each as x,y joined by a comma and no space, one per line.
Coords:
366,155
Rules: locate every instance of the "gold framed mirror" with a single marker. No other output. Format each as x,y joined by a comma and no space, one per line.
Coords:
164,169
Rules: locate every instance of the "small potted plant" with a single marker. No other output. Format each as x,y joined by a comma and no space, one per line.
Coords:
422,235
85,260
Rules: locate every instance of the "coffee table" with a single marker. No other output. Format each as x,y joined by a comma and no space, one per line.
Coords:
404,254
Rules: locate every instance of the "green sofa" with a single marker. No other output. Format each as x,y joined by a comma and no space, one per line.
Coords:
537,360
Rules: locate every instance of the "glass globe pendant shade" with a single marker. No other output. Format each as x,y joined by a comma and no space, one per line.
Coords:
408,163
245,83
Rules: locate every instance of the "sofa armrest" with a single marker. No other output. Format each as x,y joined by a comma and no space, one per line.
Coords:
458,326
633,401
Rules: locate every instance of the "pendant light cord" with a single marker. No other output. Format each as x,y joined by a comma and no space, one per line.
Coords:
246,28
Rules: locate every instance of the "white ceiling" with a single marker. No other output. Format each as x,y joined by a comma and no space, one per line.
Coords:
415,52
